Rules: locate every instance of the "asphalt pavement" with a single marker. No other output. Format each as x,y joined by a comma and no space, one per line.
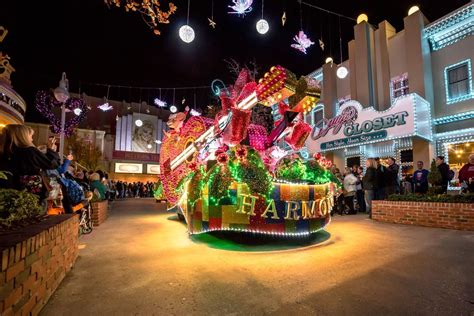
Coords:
141,261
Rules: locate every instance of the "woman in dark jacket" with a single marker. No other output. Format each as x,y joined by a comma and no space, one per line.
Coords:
369,183
23,160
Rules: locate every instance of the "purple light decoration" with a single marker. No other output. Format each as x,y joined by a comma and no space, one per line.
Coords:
159,103
45,103
195,112
105,107
302,42
241,7
257,137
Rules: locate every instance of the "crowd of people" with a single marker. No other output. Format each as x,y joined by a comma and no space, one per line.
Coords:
124,189
378,181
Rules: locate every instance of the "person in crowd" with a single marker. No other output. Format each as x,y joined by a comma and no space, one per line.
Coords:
97,186
350,181
420,179
466,174
392,178
359,190
119,187
355,170
23,161
369,183
443,168
379,189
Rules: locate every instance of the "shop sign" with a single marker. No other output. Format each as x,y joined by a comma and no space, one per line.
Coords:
355,125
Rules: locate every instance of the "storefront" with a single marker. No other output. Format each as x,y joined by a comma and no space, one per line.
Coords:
403,131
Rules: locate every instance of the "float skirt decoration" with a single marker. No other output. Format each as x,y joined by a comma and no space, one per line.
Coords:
291,210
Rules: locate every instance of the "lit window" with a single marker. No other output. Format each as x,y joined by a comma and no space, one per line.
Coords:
458,81
399,86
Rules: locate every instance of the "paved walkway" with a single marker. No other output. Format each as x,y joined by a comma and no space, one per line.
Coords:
141,262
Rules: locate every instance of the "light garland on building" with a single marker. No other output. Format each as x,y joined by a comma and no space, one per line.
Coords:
468,95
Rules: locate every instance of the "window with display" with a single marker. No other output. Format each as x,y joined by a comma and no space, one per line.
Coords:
399,86
458,81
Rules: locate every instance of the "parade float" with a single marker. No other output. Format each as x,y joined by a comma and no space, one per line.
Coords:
229,173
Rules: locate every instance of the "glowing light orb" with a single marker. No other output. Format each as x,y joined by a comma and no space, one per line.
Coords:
362,18
186,33
138,122
342,72
328,60
413,10
149,146
77,111
262,26
173,109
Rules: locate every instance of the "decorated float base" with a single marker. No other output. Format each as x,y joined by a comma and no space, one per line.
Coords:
290,210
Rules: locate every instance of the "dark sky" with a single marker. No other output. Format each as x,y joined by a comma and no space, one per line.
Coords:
93,43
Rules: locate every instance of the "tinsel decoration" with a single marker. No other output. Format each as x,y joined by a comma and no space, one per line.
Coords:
298,136
195,186
257,137
236,131
316,174
253,172
218,180
290,169
45,103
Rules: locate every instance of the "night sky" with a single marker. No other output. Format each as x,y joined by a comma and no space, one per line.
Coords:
95,44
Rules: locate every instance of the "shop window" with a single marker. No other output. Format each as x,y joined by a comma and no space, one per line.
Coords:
406,156
399,86
458,155
318,115
458,81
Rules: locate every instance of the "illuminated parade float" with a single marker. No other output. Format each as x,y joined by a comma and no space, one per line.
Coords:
229,173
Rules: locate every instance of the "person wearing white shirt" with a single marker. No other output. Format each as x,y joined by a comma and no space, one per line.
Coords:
350,188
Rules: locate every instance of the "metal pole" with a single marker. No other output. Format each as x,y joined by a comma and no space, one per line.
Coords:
61,136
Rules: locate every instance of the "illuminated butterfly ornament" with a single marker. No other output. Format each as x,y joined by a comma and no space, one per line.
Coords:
105,107
302,42
241,7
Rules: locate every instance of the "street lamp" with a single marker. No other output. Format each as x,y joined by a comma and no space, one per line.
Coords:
61,94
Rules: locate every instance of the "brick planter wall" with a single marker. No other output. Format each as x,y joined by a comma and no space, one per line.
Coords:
35,259
444,215
99,212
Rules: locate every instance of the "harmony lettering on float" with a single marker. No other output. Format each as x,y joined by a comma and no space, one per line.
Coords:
317,208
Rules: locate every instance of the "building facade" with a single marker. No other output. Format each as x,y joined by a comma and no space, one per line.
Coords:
407,95
12,105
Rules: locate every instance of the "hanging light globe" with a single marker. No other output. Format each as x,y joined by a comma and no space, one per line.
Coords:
342,72
186,33
262,26
138,122
173,109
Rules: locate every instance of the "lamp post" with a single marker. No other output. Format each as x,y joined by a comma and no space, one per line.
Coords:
61,94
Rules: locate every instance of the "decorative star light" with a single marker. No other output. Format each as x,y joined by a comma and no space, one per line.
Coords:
212,23
302,42
159,103
321,44
283,18
241,7
105,107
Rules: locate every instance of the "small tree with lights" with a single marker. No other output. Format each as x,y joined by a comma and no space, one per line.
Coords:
434,178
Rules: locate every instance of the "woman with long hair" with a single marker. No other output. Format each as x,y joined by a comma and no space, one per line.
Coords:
20,157
369,183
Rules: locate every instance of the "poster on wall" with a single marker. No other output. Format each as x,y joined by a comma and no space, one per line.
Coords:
143,137
122,167
355,125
